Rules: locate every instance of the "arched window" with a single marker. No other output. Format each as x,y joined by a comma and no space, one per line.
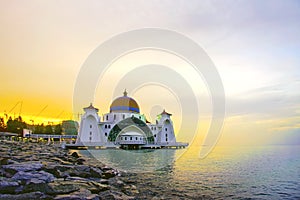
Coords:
105,126
91,126
130,138
155,135
105,134
115,116
123,116
136,138
166,129
91,133
108,126
166,135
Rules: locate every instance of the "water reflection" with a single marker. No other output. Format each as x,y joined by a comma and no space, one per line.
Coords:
137,161
265,172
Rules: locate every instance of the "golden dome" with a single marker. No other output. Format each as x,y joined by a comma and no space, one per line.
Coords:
124,104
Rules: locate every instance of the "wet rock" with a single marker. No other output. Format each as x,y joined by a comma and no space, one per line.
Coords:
24,167
4,160
114,195
108,174
97,187
52,169
76,178
75,155
63,168
4,173
80,161
130,190
34,187
8,187
37,177
32,195
62,187
60,161
96,172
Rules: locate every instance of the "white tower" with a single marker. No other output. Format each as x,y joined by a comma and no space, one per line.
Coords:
89,130
166,134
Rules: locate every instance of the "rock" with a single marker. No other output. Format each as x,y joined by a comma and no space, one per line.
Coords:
24,167
27,177
4,160
32,195
108,174
114,195
53,170
64,168
130,190
8,187
80,161
62,187
5,173
96,172
82,168
75,155
34,187
60,161
76,178
97,187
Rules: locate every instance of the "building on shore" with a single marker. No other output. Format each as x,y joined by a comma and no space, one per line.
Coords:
125,127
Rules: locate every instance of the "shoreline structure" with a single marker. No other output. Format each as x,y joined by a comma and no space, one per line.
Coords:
38,171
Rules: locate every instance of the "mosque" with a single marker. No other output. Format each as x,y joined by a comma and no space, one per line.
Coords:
124,127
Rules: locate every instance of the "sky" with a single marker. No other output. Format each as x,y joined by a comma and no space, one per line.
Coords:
255,46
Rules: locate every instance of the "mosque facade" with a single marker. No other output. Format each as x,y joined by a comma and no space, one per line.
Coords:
125,127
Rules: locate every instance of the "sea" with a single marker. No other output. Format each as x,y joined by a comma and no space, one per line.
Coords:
228,172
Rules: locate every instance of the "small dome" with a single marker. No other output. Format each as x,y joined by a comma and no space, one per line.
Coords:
124,104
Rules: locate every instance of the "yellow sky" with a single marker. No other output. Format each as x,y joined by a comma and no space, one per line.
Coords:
44,44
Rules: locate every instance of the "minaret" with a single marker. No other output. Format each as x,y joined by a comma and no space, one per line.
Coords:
166,134
89,131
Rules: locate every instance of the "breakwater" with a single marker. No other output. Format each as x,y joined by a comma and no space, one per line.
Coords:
38,171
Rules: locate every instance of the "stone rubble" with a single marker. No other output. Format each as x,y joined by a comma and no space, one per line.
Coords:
40,171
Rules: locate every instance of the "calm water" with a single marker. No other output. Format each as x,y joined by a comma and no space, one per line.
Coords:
264,172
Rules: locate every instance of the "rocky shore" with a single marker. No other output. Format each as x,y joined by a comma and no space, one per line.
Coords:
39,171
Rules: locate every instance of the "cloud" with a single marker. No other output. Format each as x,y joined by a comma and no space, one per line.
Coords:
276,101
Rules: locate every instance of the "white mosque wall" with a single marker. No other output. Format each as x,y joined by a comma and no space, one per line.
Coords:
115,117
89,130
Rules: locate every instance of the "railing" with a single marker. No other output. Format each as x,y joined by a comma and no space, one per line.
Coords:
51,136
132,142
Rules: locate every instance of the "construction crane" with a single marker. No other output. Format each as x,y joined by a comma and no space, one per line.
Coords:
32,120
19,102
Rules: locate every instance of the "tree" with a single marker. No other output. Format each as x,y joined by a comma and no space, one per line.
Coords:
39,129
2,125
57,129
16,125
48,129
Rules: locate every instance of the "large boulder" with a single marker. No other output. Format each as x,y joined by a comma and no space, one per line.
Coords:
23,167
36,177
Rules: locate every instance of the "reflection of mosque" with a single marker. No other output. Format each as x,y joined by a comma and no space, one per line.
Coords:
125,127
145,160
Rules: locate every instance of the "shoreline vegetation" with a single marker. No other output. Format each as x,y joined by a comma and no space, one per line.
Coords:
38,171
